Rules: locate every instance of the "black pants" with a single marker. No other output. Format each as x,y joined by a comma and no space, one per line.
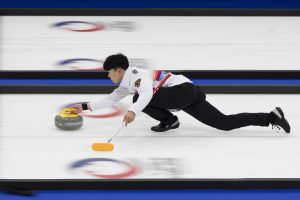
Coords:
189,98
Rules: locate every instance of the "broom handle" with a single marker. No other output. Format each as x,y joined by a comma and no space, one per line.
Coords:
123,125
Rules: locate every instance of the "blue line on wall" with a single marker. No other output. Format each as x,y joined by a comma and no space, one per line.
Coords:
256,4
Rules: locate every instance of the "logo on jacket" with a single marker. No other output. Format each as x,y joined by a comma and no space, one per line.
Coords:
137,83
134,71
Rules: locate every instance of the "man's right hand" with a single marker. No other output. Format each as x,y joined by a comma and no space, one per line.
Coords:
77,109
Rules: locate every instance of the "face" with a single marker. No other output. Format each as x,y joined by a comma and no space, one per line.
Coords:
116,75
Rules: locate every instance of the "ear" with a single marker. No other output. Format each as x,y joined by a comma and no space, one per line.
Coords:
120,70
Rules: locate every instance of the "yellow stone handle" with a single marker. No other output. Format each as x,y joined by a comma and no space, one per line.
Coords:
66,112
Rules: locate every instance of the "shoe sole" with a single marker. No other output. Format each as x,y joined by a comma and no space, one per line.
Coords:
289,130
280,112
282,116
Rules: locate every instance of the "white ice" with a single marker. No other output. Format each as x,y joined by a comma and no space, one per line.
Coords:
33,148
170,43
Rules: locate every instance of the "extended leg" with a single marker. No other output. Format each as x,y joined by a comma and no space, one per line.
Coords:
209,115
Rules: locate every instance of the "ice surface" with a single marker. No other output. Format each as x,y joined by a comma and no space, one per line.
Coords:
33,148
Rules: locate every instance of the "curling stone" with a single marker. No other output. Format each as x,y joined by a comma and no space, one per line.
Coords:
67,121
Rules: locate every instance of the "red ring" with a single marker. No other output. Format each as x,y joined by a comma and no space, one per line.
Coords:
118,111
96,28
133,170
85,69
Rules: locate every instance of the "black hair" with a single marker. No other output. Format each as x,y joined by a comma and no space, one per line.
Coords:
115,61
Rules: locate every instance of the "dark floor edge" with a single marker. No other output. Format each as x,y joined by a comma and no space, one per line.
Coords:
192,74
151,184
146,12
104,89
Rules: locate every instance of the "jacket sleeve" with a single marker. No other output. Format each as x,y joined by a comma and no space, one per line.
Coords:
145,92
118,94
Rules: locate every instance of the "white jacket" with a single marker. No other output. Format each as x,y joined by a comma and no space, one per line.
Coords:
141,81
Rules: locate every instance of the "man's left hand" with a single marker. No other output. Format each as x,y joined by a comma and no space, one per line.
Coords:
129,117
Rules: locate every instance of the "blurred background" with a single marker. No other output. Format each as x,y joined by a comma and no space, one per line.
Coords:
81,43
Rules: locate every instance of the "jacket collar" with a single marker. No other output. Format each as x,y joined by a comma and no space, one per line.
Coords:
126,78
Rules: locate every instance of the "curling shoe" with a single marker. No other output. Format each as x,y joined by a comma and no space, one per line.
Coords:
171,123
278,121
